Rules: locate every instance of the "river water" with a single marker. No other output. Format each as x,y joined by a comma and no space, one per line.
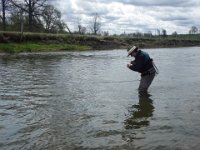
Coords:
89,100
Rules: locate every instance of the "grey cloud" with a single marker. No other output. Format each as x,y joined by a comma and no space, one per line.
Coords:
179,21
163,3
174,18
186,22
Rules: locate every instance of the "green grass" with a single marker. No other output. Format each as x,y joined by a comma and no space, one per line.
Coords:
36,47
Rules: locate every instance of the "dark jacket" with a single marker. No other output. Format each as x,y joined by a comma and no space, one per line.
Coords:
142,62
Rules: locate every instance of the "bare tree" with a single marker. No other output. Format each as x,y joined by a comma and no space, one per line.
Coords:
33,8
174,33
96,25
4,7
164,32
193,30
50,17
105,33
52,20
81,29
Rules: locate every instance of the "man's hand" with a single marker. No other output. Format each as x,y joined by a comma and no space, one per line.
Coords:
129,65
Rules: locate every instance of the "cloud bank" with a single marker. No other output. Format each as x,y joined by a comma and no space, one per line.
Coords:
119,16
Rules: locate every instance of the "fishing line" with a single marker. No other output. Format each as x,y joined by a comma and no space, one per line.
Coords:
114,82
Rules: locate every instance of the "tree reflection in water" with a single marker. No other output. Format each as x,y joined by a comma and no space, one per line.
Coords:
139,113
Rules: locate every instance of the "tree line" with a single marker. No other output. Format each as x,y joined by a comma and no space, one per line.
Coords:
38,16
31,16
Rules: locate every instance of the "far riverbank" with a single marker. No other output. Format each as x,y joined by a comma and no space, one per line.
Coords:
32,42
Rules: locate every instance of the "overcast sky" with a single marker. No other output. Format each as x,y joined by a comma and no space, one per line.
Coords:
118,16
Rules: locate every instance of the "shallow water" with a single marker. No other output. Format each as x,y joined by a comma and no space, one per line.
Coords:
89,100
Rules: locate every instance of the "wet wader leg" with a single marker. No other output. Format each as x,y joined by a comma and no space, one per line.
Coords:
145,82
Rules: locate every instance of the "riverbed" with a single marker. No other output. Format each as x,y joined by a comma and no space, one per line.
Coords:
89,100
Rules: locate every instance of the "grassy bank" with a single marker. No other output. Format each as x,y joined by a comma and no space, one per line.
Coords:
35,47
30,42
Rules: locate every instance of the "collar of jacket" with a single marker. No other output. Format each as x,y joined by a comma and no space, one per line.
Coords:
138,53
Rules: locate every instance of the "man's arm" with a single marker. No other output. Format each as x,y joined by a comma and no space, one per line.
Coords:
137,64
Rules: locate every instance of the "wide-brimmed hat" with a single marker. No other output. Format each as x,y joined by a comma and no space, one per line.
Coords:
132,49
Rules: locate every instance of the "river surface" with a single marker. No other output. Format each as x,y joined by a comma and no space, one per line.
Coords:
89,100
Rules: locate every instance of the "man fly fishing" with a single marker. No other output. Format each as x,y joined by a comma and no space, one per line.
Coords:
144,65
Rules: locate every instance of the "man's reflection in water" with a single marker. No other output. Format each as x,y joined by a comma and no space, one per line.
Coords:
139,114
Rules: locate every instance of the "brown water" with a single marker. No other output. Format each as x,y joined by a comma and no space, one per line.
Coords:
89,100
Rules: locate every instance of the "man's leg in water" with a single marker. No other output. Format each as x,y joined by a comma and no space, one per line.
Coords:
145,82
